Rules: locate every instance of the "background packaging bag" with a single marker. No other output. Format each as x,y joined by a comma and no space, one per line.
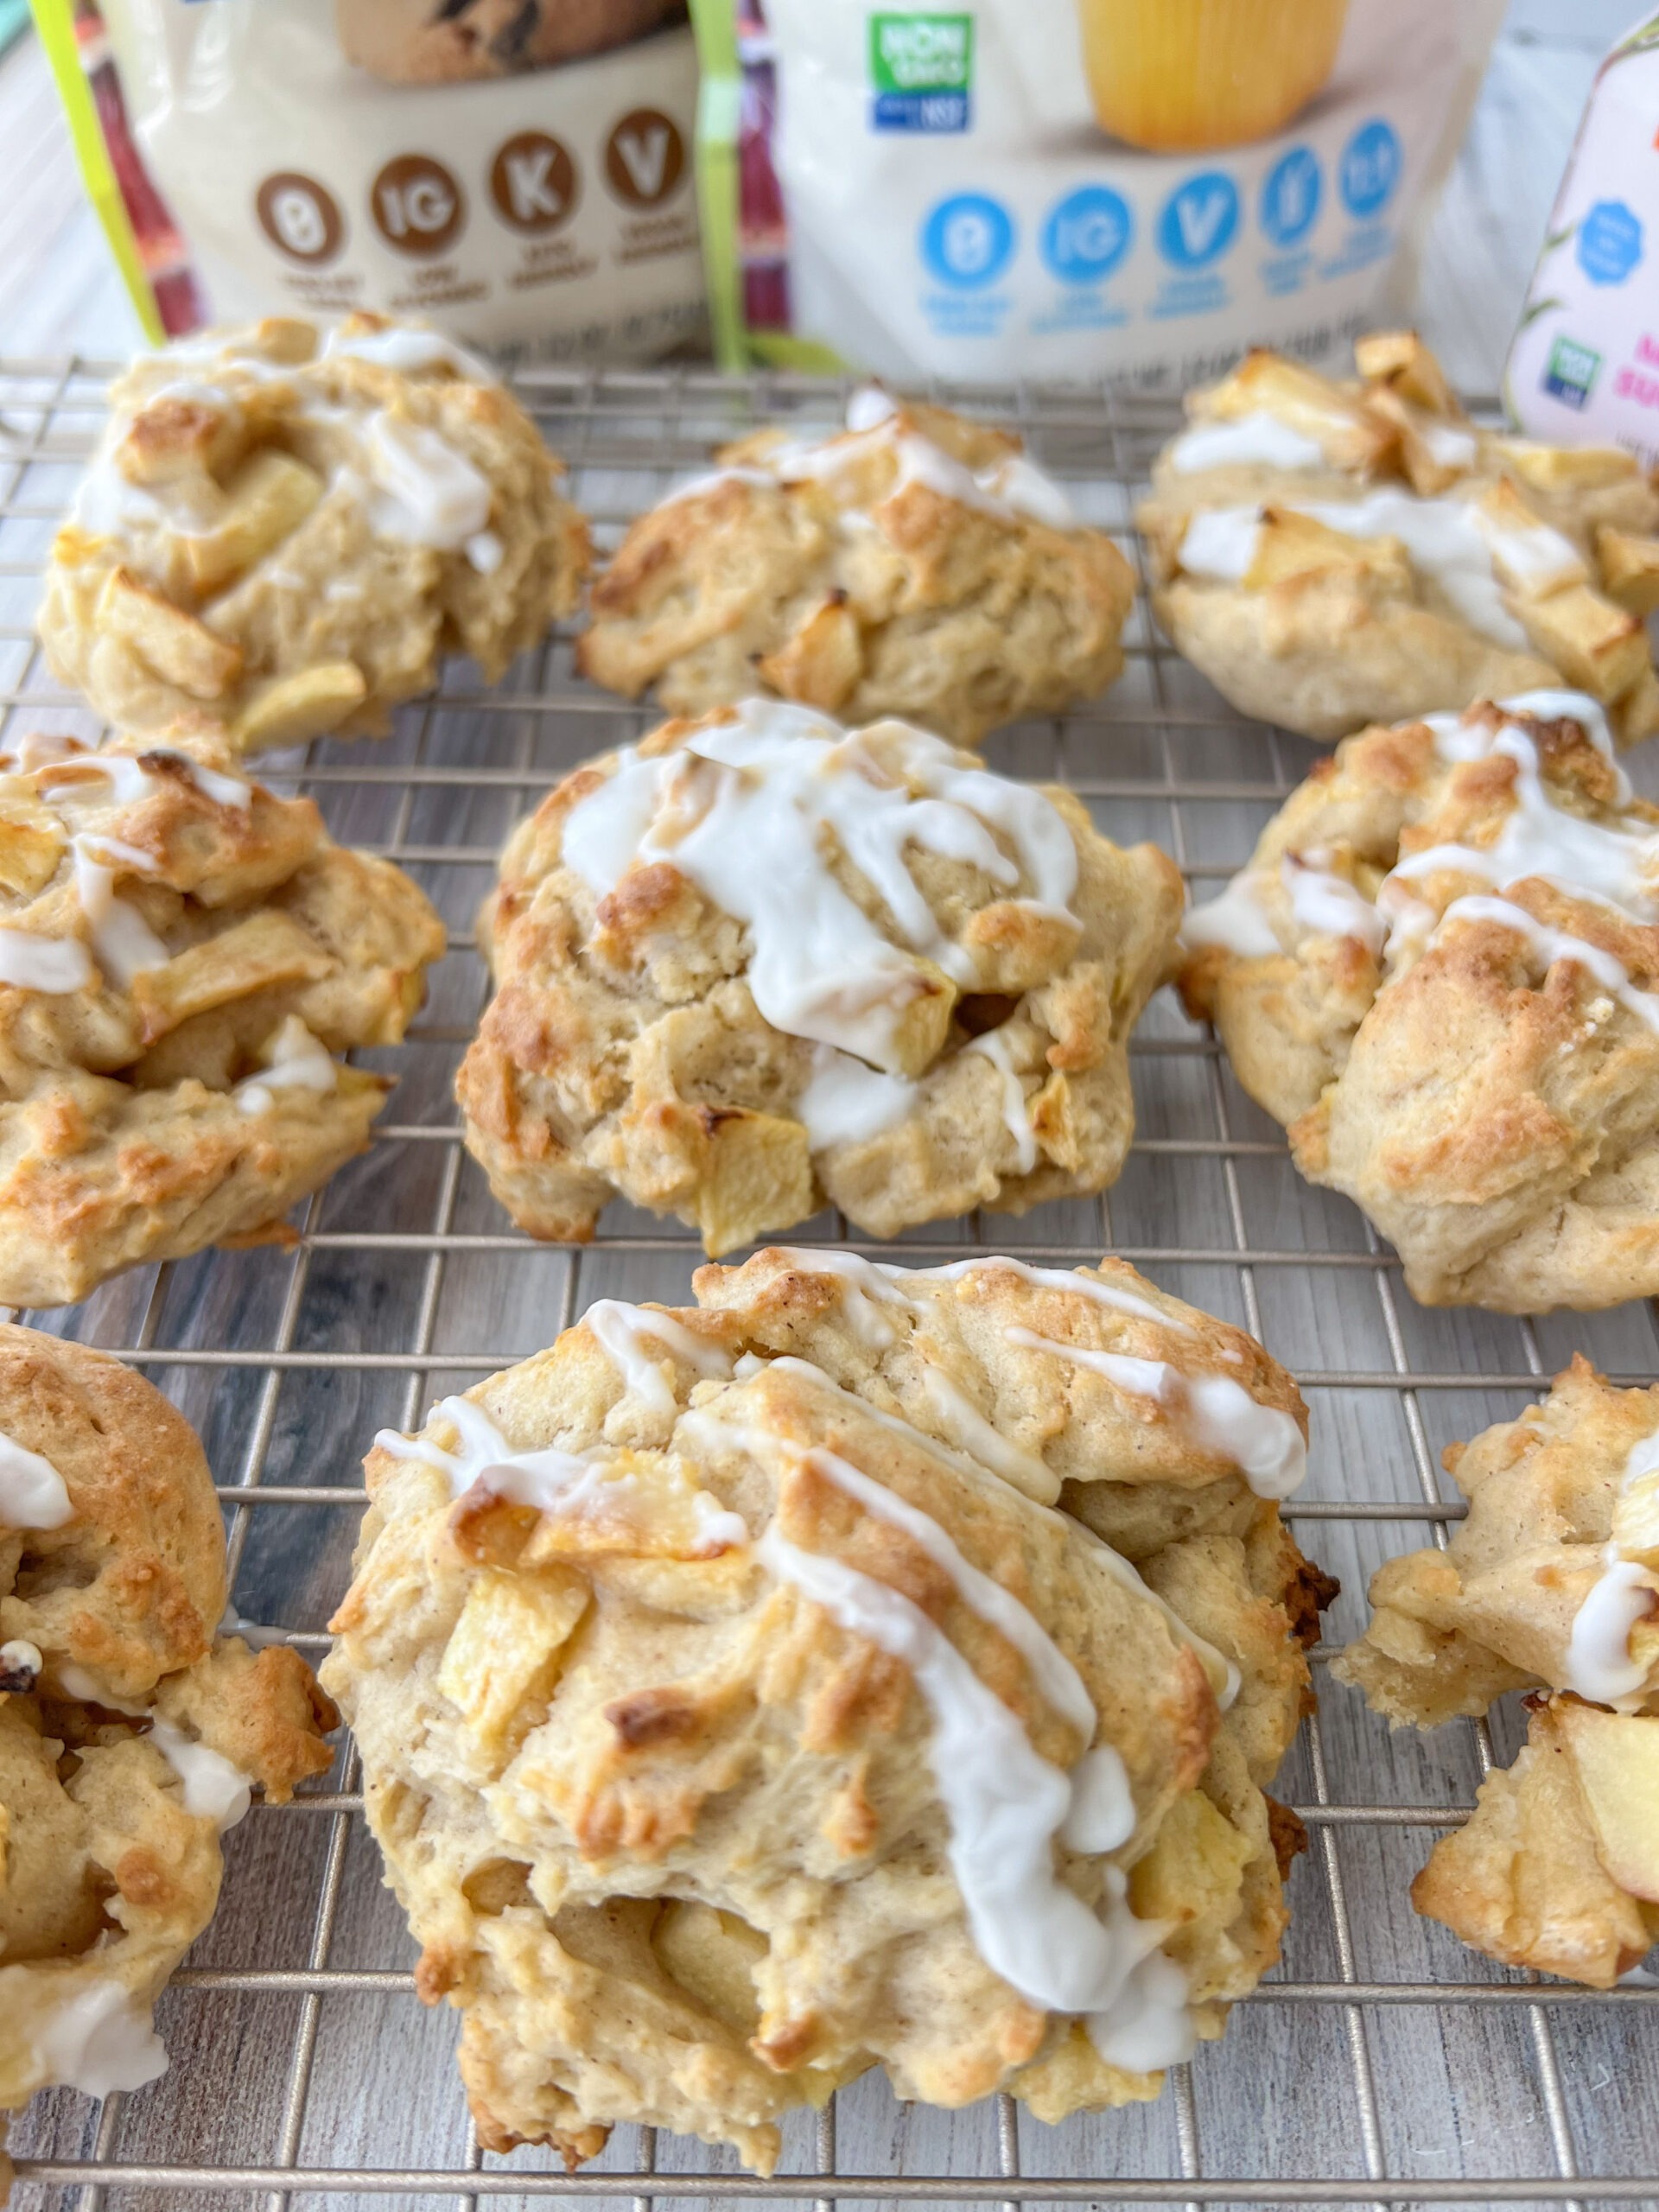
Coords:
520,175
1067,188
1584,369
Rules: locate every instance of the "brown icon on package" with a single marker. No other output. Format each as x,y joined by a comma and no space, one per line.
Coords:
644,157
533,182
417,205
301,216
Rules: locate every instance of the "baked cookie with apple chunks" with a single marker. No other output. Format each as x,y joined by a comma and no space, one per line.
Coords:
284,528
758,964
916,563
185,960
739,1712
1550,1585
131,1733
1440,971
1333,553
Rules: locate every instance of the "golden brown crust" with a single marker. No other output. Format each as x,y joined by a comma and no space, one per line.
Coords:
240,562
863,590
1536,1878
666,1833
1475,1088
624,1052
1325,630
127,1130
1558,1868
110,1870
1452,1630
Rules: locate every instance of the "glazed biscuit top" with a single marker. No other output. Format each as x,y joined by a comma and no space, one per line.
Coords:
1513,815
888,444
884,1445
1286,475
161,915
282,524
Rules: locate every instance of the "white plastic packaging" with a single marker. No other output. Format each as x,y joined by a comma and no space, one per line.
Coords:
1584,369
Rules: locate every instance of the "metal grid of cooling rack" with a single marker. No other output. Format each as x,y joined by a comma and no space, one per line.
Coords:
1382,2064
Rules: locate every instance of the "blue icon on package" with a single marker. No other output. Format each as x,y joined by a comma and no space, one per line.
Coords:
1610,242
968,240
1087,234
1199,220
1369,168
1291,193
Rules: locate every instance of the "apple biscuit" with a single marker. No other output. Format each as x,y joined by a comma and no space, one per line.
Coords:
131,1733
916,564
1551,1584
739,1712
282,530
758,964
1330,553
1440,970
183,957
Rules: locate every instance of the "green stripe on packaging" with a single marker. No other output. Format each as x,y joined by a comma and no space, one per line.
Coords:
55,22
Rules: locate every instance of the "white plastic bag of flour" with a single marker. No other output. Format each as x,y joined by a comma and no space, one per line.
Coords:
521,175
984,189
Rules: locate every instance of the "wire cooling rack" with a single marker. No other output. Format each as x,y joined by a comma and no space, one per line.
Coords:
1382,2064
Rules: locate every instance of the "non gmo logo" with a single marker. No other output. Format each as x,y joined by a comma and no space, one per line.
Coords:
1610,242
1570,371
921,71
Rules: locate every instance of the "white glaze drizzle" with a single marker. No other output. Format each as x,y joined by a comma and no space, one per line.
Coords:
1011,485
1085,1286
428,493
98,2040
54,965
1256,440
865,1288
1448,446
124,944
1443,538
971,1433
1224,1676
1327,903
1538,837
1016,1119
622,1331
777,781
293,1060
213,1789
1264,1444
564,1483
1235,919
425,491
410,348
33,1494
130,779
1599,1662
1548,944
846,1103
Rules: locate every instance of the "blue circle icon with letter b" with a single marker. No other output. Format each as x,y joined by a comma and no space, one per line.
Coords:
1610,242
1199,220
1370,167
1087,234
1290,192
968,240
